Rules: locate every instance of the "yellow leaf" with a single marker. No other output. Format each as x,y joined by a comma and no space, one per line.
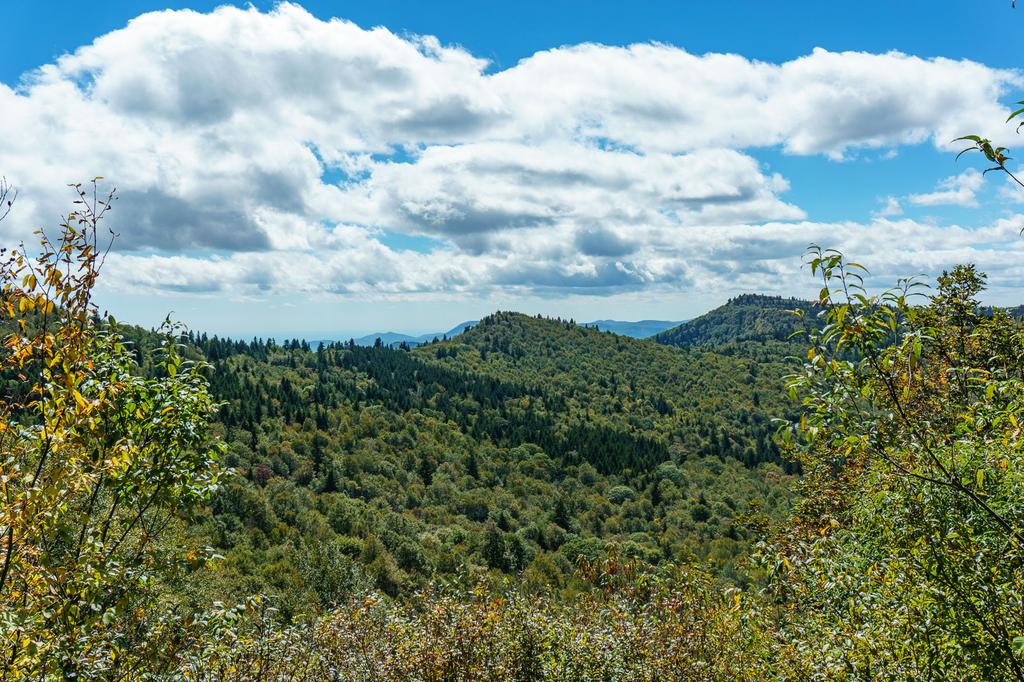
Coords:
79,399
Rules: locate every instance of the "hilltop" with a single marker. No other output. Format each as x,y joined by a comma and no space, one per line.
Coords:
640,329
745,319
698,401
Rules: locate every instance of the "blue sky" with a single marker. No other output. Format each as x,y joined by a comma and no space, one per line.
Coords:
982,30
533,181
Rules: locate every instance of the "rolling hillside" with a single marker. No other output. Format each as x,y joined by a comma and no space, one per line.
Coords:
516,448
750,324
698,401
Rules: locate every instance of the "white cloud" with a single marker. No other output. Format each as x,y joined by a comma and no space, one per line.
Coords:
1009,190
958,190
471,193
661,97
892,208
583,167
720,260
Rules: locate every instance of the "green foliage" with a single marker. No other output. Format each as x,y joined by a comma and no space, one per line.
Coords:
905,557
993,154
100,467
675,625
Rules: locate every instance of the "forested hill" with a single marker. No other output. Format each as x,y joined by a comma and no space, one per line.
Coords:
744,319
515,448
697,402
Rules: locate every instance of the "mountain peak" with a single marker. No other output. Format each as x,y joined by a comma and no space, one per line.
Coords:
744,318
768,301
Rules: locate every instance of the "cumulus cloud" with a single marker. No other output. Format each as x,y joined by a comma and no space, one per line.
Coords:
267,152
468,193
958,190
661,97
892,208
710,259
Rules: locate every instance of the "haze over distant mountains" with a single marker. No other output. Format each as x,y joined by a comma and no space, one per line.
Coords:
395,338
640,329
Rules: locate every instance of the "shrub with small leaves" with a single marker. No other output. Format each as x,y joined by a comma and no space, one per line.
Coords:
97,464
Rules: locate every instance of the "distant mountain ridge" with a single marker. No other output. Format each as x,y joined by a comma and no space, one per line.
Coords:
395,338
640,329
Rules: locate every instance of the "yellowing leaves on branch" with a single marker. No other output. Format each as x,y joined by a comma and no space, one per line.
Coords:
99,463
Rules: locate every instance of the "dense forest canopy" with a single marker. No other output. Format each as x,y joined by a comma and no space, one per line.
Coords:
750,323
471,455
364,506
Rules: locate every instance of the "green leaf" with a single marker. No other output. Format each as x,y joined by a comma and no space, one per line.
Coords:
969,149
